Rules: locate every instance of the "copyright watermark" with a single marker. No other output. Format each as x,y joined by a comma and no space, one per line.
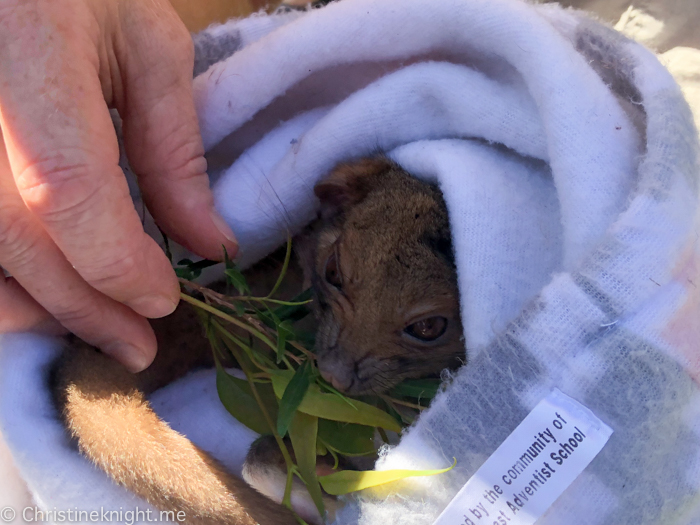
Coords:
7,514
125,516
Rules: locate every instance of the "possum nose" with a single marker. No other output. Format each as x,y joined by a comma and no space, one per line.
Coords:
339,377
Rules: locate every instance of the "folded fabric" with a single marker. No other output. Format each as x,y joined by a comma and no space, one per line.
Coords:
569,163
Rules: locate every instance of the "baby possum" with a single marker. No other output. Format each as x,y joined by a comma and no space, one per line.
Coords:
384,280
381,268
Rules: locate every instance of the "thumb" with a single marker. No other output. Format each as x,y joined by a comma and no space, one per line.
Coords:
161,131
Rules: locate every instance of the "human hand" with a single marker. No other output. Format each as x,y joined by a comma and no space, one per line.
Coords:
69,234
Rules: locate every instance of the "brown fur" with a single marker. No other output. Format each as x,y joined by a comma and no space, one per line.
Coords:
105,409
391,237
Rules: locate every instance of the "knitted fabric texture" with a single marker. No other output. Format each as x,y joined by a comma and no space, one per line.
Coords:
569,163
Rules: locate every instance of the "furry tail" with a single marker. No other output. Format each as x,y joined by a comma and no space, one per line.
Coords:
105,409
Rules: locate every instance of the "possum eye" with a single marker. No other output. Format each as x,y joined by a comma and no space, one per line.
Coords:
427,329
333,276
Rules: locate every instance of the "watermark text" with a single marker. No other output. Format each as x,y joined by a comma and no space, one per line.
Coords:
75,515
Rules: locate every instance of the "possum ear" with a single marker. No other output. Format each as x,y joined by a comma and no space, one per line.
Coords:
348,184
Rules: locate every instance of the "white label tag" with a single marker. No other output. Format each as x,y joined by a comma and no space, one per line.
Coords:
532,467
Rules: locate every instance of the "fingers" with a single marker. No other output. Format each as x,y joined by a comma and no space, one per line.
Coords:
63,155
19,312
162,136
45,287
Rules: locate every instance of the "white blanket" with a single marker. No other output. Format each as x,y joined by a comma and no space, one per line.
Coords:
569,163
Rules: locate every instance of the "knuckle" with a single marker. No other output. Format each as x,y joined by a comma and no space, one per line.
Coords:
13,228
57,192
75,313
17,240
175,155
115,276
185,155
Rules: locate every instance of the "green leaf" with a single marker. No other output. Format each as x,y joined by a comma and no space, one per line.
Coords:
235,278
268,317
347,481
240,309
239,401
249,359
391,410
281,344
305,339
285,265
191,270
292,396
334,407
416,388
303,431
204,263
185,273
347,439
295,312
228,263
285,332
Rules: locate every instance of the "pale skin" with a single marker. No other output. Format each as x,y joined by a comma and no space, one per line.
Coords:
69,234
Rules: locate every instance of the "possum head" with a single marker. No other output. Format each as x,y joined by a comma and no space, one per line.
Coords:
384,279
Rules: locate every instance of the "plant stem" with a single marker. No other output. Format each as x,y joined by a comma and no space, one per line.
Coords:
273,429
285,265
404,403
247,349
309,354
225,300
274,301
226,317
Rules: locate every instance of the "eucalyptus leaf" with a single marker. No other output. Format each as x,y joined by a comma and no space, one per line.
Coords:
240,309
297,311
303,431
268,317
292,396
392,412
240,403
334,407
228,263
235,278
285,265
266,394
297,401
190,270
286,328
416,388
348,439
284,333
185,273
306,339
281,345
347,481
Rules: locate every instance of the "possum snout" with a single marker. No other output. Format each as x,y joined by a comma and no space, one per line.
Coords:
339,374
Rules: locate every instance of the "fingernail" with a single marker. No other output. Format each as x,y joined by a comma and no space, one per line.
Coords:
152,306
223,228
133,358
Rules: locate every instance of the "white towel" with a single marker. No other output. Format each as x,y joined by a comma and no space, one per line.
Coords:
569,163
